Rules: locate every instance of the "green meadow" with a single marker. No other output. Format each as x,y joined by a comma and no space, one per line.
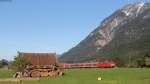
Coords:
90,76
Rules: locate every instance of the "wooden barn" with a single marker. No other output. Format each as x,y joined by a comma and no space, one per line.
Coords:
42,65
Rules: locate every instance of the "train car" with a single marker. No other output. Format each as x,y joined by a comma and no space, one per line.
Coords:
89,65
106,64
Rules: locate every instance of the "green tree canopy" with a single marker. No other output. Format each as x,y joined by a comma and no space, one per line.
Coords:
20,63
3,63
147,59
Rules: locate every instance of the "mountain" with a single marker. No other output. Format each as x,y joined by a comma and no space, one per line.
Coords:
123,37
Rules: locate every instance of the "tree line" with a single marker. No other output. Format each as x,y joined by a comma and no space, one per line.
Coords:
18,64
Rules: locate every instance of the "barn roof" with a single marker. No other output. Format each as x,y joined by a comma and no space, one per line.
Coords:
40,58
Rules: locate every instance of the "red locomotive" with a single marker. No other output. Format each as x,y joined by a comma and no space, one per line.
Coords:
89,65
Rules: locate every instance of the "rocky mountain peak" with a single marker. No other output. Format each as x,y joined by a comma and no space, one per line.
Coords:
106,30
133,9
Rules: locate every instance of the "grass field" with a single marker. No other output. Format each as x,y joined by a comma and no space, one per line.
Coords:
89,76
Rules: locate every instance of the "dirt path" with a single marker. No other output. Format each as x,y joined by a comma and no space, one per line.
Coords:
18,79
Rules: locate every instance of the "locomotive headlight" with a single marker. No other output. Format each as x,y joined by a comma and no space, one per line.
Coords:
112,64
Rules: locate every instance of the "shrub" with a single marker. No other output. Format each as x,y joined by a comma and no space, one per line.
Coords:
20,63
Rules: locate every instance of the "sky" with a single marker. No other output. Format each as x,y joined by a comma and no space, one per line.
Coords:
50,25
